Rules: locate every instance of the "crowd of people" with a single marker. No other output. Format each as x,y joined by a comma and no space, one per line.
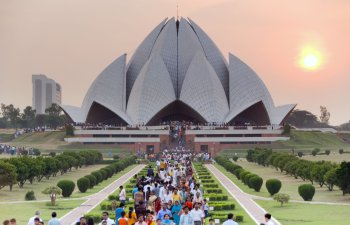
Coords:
168,195
13,150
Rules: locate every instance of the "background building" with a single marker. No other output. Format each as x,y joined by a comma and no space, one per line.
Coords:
45,92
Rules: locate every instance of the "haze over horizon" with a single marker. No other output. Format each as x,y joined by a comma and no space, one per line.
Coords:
73,41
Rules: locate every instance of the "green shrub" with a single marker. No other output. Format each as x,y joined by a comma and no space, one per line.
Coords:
273,186
104,174
98,176
256,182
204,186
83,184
300,154
217,197
327,152
30,196
113,197
116,157
106,206
242,174
96,217
213,190
52,154
222,206
67,187
92,180
36,152
281,198
207,181
239,218
306,191
246,178
315,151
235,158
238,172
204,177
69,130
341,151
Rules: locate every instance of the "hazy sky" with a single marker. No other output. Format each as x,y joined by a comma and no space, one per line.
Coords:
72,41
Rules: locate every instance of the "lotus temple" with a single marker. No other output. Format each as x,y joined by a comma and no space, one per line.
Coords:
177,73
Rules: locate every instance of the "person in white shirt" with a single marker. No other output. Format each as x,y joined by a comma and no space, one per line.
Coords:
230,220
268,219
122,195
197,215
107,219
36,215
167,196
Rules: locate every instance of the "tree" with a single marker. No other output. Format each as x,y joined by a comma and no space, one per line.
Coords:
330,178
343,177
28,117
67,187
8,175
22,170
281,198
325,115
53,117
11,114
53,192
303,118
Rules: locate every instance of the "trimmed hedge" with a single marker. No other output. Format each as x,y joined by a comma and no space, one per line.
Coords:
223,217
210,185
306,191
83,184
273,186
204,177
98,176
92,180
67,187
213,190
216,197
256,183
205,181
220,206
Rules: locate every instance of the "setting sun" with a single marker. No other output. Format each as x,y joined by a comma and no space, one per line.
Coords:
310,58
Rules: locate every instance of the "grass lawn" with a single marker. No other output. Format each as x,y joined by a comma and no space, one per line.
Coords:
304,141
299,213
23,211
333,157
17,194
289,184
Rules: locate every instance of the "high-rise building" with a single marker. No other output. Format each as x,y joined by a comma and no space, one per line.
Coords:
45,92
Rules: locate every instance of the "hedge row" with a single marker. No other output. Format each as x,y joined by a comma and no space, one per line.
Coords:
220,206
223,217
213,190
252,180
96,177
322,172
210,185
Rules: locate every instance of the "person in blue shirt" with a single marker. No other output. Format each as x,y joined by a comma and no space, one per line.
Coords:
118,212
136,189
163,211
176,209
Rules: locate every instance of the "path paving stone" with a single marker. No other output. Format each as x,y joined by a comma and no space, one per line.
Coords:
95,199
245,200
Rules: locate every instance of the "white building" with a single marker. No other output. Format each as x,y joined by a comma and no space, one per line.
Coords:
45,92
177,73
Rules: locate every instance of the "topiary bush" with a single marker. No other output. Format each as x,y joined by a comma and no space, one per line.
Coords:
67,187
98,176
30,196
306,191
273,186
92,180
235,158
341,151
300,154
256,182
327,152
83,184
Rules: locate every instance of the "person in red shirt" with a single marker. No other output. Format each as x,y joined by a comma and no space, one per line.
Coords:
188,203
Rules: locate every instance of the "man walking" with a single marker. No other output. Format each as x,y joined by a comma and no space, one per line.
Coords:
230,220
54,220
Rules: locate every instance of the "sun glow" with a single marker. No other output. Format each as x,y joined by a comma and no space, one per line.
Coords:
310,58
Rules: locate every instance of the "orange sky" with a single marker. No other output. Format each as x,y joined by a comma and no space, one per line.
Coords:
72,41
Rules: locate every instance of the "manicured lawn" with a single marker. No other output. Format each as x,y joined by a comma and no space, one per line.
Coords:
23,211
289,184
333,157
299,213
17,194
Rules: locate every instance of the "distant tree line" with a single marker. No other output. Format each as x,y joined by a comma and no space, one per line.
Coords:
321,172
20,170
12,117
305,119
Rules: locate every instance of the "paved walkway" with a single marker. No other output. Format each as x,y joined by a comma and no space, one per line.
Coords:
253,209
95,199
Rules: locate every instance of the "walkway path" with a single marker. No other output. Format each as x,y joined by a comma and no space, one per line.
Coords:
95,199
245,200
